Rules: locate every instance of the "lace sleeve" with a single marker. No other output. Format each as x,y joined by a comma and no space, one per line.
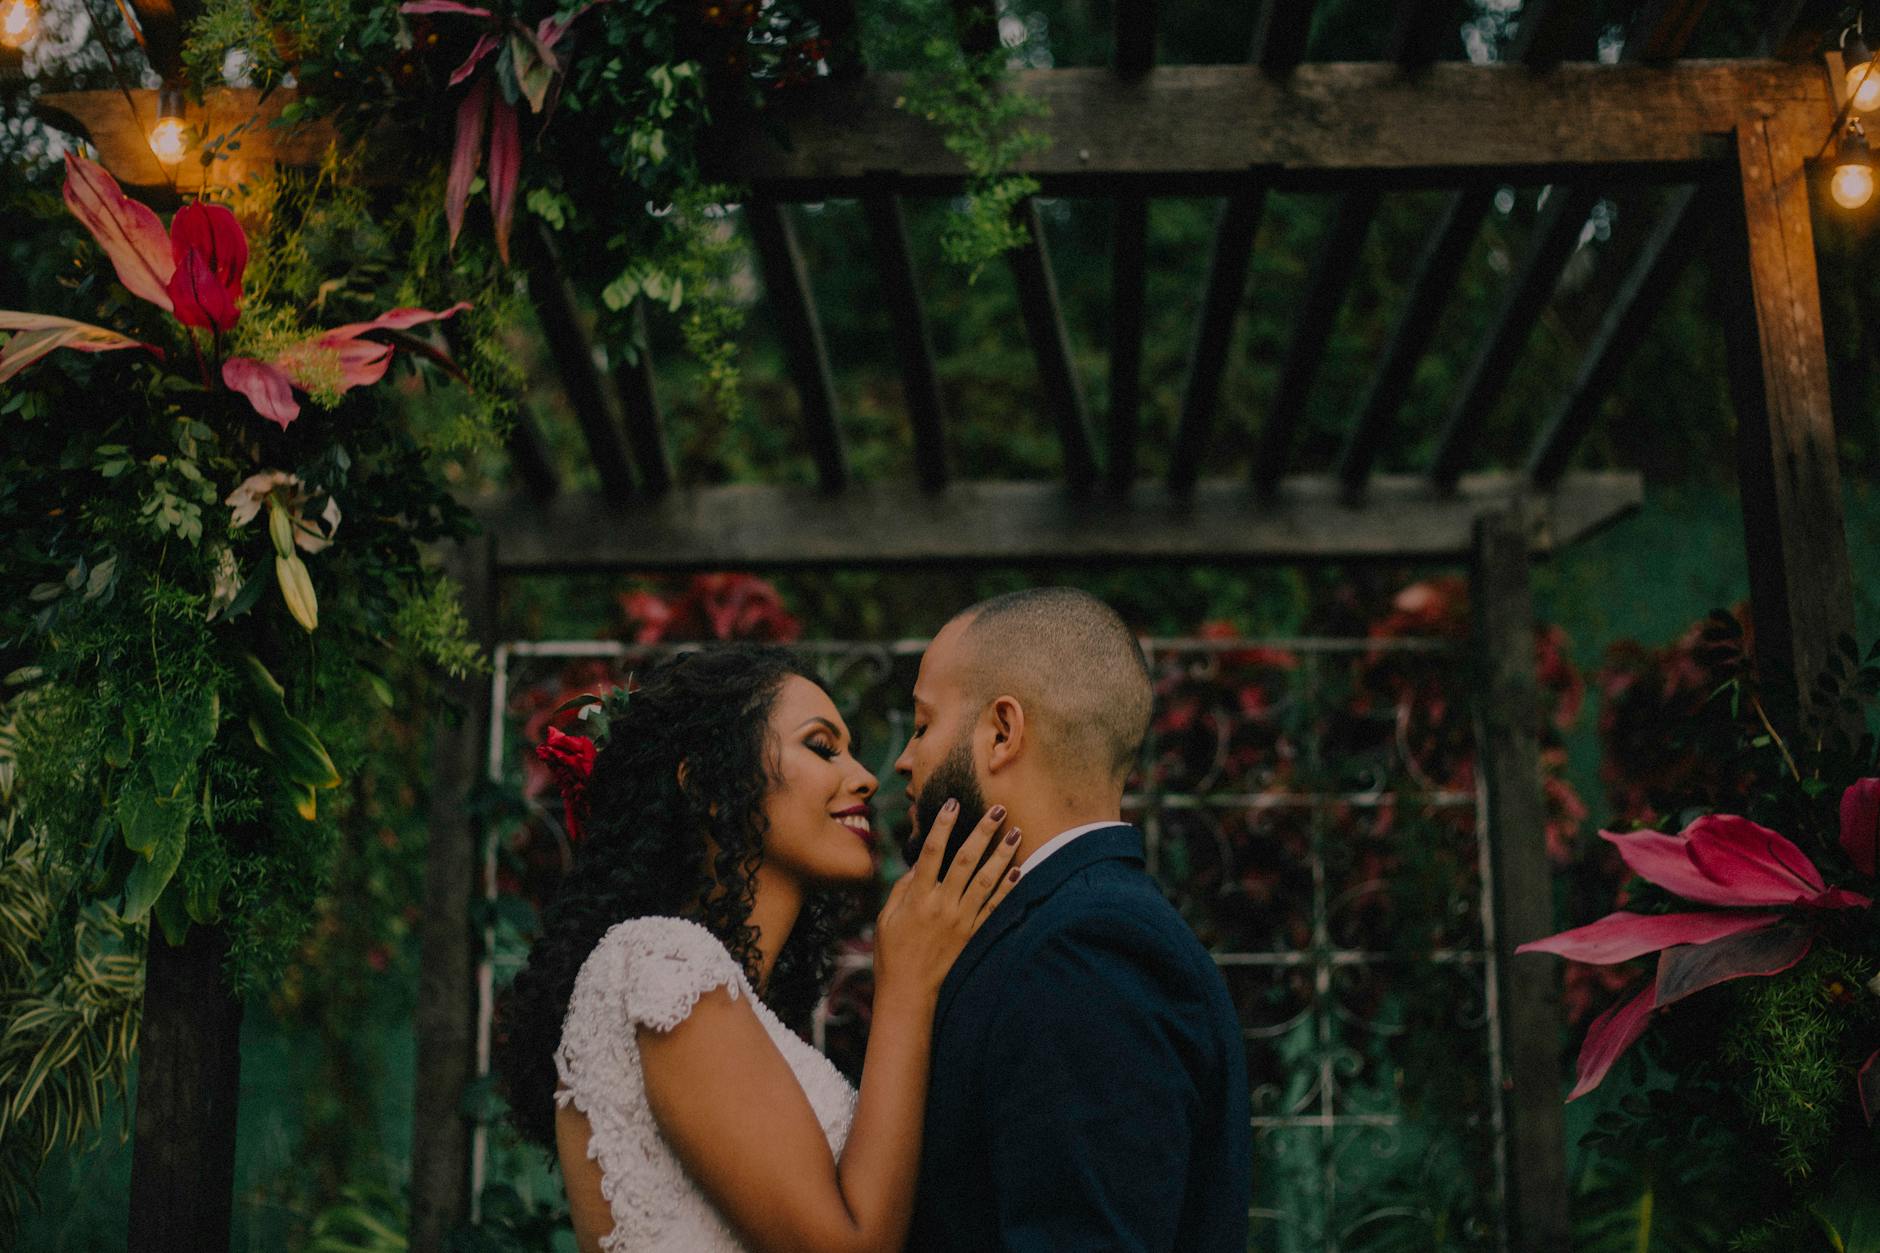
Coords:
666,964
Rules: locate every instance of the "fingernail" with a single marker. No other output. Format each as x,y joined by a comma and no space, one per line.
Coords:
950,806
1012,836
1014,875
996,813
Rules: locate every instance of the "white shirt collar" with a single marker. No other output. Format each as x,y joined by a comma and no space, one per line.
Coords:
1058,841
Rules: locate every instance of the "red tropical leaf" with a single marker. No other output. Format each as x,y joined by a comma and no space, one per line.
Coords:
1860,820
1611,1034
266,386
128,231
1623,935
466,156
505,165
1691,968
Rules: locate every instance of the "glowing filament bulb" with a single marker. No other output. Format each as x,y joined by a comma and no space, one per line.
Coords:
1863,84
1853,169
19,22
171,138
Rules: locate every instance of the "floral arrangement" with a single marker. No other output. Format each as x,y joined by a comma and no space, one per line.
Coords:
188,692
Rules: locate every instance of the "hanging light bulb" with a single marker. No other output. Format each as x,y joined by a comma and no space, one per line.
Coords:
19,22
1863,76
1853,168
171,138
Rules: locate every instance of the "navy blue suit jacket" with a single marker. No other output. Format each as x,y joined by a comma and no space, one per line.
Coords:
1089,1086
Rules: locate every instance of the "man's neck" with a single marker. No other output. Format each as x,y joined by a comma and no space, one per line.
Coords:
1042,826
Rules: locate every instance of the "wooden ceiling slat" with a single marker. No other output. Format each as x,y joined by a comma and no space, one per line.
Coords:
1662,30
1421,31
1312,331
786,282
1556,236
1214,332
1437,268
1548,32
529,457
1051,345
1128,296
920,377
758,526
639,398
590,392
1133,27
1280,35
1673,243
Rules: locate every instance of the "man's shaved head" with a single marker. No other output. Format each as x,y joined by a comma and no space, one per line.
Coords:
1073,665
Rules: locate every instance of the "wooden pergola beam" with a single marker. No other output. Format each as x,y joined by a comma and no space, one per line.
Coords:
1419,32
1050,344
160,32
529,457
1214,332
1134,43
1281,32
920,376
786,282
751,526
639,403
590,392
1673,243
1133,29
847,138
1551,31
1555,237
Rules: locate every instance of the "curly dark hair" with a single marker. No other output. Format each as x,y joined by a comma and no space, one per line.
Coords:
643,853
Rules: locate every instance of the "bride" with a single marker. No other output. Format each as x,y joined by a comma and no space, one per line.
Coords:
647,1043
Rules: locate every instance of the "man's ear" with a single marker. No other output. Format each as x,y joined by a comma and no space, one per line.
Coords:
1005,718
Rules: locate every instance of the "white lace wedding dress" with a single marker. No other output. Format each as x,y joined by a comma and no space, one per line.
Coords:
650,972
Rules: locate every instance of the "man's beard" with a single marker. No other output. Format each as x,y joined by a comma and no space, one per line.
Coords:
952,779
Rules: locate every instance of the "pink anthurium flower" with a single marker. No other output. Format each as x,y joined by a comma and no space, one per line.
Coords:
211,253
1719,859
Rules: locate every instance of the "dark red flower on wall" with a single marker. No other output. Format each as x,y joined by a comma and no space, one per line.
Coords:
570,759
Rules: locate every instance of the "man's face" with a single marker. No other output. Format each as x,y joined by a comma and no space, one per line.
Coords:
938,760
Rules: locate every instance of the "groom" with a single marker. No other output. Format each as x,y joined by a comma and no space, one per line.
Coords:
1089,1089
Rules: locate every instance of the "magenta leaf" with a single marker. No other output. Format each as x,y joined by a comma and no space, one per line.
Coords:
1691,968
1757,865
130,234
549,30
1624,935
266,387
1860,821
1666,861
486,44
1838,898
443,6
505,164
1868,1081
197,298
1611,1034
466,156
402,319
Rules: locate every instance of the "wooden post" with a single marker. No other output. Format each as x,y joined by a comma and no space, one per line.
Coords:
1801,584
1520,906
188,1083
441,1132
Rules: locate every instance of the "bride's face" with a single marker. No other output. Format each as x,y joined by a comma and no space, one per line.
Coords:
822,829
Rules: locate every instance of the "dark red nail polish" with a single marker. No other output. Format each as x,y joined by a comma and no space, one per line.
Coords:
1012,836
996,813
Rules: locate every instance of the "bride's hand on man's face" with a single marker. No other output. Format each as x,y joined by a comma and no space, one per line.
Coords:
929,918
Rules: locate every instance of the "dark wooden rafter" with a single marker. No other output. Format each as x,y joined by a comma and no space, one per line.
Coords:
589,390
765,526
1548,32
1281,32
1420,31
1555,237
530,458
977,24
1673,243
639,402
920,376
1411,39
1660,33
841,26
786,282
1134,26
1214,331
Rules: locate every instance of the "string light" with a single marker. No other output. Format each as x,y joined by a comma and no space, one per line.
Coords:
171,138
19,22
1853,168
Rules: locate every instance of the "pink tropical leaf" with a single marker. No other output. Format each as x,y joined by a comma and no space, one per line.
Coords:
1690,968
213,231
197,298
486,44
362,362
505,165
402,319
128,231
1868,1081
466,156
1666,861
33,335
549,30
1611,1034
266,386
1758,866
443,6
1839,898
1624,935
1860,821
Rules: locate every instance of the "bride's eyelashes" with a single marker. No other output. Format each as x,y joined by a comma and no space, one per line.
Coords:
821,746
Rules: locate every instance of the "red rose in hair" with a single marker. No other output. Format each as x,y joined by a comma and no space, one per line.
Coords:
570,759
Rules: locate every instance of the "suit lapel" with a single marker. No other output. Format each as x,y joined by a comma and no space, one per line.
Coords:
1120,841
